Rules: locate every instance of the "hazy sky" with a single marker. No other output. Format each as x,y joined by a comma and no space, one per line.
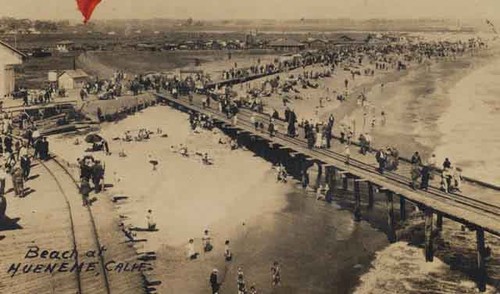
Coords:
257,9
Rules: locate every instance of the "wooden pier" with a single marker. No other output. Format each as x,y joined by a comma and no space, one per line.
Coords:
475,214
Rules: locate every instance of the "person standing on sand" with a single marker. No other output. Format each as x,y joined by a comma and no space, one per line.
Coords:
214,281
85,191
228,255
207,245
276,274
150,221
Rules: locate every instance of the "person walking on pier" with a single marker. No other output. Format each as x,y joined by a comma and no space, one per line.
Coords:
381,157
415,175
416,159
347,153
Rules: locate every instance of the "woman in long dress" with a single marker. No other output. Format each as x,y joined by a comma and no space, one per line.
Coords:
318,137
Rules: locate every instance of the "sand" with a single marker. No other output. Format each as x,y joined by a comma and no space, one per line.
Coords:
247,182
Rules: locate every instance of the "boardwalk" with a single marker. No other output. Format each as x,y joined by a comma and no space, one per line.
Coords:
466,208
52,218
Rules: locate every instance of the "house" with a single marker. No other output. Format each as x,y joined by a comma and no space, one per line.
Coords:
73,79
65,46
345,40
9,57
286,45
315,44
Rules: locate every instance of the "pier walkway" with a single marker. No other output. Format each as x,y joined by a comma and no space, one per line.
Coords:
477,207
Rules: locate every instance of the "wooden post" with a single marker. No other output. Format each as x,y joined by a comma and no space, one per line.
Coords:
334,178
320,174
481,263
402,208
330,174
357,201
439,222
429,250
390,216
345,184
370,195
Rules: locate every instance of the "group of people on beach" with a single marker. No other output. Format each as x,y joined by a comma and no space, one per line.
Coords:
91,171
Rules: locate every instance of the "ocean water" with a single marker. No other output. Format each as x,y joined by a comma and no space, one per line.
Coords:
470,125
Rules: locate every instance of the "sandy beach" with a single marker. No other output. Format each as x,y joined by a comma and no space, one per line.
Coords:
249,208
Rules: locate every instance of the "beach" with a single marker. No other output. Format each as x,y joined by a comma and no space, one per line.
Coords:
319,246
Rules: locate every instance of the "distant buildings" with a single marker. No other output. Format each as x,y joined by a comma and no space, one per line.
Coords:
73,79
287,45
65,46
9,57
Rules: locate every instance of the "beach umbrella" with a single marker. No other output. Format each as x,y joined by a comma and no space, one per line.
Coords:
93,138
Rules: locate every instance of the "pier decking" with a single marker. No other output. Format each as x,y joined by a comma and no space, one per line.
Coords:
479,213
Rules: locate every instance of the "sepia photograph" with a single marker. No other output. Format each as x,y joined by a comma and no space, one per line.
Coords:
261,147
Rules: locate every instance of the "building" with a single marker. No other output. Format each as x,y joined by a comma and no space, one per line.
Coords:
286,45
9,57
316,44
73,79
65,46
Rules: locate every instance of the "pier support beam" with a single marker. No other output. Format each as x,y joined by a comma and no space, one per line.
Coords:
402,208
320,174
439,222
370,195
357,200
390,216
429,250
345,183
481,263
330,180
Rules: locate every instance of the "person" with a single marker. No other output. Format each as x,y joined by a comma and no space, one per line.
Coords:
214,281
276,274
191,253
150,221
228,255
415,159
457,178
347,153
25,166
446,163
253,290
207,245
18,182
3,178
44,148
415,175
381,159
424,184
235,119
240,282
97,172
431,164
85,191
254,121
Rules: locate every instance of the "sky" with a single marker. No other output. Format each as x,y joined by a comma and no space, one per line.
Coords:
256,9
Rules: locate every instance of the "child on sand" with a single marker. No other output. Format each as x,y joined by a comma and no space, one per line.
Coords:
191,253
149,219
228,255
276,274
207,245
